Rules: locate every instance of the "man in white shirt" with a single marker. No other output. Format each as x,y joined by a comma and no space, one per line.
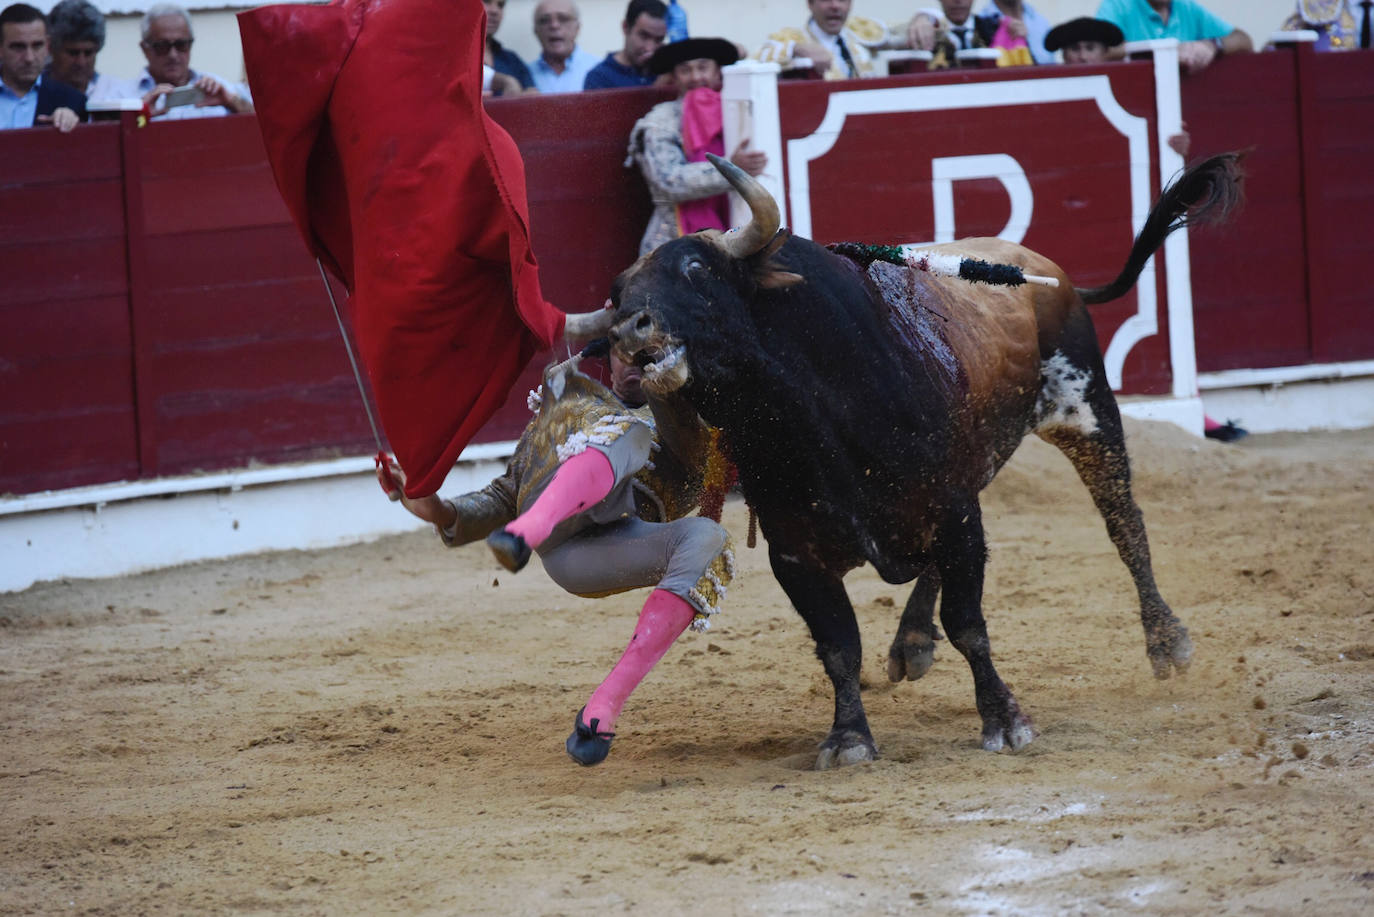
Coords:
953,20
561,66
838,45
166,44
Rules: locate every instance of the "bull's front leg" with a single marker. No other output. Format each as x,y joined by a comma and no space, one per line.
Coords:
961,553
819,597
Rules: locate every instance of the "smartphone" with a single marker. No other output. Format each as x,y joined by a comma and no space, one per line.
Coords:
184,95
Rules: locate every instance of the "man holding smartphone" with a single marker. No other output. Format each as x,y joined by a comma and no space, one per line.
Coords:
168,85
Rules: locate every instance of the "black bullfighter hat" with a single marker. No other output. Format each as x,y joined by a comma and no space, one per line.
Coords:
670,55
1085,28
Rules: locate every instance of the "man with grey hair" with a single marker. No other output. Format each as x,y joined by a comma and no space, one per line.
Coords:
166,43
561,65
76,34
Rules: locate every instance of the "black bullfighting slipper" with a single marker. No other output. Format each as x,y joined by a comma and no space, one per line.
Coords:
510,549
1228,432
586,745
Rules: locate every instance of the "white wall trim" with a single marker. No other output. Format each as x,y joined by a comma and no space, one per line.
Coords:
1284,375
234,480
749,102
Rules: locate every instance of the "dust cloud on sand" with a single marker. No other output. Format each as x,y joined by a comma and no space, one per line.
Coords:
379,729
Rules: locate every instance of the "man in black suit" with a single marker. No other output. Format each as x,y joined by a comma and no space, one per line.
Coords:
26,98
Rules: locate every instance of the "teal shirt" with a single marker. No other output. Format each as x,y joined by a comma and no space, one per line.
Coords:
1187,21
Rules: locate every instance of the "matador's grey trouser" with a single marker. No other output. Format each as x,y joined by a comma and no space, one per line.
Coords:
630,554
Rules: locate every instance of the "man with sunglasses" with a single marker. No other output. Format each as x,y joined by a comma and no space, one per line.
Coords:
166,43
76,34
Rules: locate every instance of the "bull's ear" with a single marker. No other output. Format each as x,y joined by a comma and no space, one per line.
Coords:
767,274
778,241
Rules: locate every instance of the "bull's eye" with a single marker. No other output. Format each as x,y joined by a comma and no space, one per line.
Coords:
694,267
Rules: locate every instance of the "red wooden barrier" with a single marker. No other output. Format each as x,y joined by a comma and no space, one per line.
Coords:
162,317
66,383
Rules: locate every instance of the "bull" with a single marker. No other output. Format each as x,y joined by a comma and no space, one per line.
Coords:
866,404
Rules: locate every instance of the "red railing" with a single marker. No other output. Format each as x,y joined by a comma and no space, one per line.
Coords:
161,316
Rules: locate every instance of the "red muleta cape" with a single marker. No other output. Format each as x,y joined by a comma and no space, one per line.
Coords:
372,114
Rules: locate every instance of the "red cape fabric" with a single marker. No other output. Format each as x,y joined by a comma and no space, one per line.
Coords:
372,114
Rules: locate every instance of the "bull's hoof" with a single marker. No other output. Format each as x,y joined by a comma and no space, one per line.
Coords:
1004,725
586,745
844,750
1015,734
1171,652
909,660
510,549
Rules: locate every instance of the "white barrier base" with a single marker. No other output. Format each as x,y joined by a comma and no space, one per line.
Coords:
1335,397
1184,412
114,537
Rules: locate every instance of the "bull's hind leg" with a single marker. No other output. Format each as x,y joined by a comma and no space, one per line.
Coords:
820,599
1083,422
961,553
913,648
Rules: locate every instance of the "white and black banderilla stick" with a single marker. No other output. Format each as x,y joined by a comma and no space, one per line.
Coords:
944,264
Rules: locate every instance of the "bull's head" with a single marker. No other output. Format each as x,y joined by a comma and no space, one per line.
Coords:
675,306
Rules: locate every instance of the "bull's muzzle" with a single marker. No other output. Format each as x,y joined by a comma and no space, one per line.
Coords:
630,334
638,340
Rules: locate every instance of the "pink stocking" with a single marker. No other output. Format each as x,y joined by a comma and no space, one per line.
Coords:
664,617
580,482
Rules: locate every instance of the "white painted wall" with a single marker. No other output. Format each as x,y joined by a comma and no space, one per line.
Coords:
218,50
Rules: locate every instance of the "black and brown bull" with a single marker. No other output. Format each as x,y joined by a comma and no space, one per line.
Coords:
867,404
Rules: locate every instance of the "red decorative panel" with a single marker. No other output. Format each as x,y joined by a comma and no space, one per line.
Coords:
1340,194
1249,276
998,143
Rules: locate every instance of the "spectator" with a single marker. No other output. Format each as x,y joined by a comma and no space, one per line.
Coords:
954,29
645,29
167,40
1023,25
26,98
1085,40
671,141
1341,25
76,34
1203,36
561,66
837,44
502,61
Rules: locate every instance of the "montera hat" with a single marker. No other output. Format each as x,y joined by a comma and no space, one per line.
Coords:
1084,28
670,55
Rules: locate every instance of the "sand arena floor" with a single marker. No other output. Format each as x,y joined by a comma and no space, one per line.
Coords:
379,729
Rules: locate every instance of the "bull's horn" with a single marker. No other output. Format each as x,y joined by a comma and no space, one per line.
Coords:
759,231
580,326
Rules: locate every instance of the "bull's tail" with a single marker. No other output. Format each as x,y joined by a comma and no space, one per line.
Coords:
1207,192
